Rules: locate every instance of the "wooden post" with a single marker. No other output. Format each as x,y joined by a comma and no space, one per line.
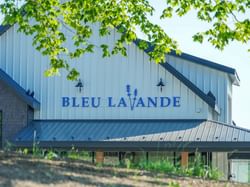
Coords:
184,159
93,157
99,157
147,157
133,157
174,159
121,157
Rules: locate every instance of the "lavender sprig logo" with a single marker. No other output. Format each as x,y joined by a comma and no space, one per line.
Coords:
132,98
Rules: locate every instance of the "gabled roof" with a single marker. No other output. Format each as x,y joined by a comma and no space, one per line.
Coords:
211,102
230,71
178,75
18,90
140,135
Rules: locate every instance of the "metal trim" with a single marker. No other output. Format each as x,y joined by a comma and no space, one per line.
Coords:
18,90
141,146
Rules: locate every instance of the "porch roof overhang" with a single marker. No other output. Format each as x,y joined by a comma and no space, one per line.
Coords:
135,135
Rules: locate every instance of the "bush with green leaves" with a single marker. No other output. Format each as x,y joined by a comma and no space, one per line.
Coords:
164,166
196,168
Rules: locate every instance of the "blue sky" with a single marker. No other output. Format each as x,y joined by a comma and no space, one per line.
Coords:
235,55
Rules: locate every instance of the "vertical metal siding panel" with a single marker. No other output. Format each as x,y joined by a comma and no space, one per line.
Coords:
15,55
30,62
147,77
184,98
138,82
225,99
186,68
103,77
172,61
178,64
9,56
23,70
206,79
3,51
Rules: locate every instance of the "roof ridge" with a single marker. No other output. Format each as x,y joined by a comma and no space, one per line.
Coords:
203,61
195,59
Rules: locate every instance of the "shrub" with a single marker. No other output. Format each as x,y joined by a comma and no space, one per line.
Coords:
197,168
163,166
51,155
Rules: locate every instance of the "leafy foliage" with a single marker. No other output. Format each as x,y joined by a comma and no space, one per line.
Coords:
44,19
196,168
226,27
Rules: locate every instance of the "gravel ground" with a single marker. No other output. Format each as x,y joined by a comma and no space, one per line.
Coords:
25,171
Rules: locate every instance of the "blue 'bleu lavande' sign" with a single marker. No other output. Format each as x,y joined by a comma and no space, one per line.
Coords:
131,101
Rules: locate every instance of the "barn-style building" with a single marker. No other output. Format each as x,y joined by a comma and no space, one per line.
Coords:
122,104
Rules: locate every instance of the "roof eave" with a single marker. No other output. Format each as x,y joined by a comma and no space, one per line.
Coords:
235,78
18,90
139,146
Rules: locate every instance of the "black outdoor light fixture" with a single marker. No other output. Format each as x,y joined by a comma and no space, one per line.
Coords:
161,84
79,85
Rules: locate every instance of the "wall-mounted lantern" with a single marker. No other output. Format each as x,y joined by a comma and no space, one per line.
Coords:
161,84
79,85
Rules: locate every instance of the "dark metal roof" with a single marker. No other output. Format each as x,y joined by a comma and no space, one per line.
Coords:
231,71
4,28
18,90
135,135
190,85
185,81
196,60
205,62
177,74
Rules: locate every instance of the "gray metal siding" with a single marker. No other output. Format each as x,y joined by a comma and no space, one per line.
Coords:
206,79
101,77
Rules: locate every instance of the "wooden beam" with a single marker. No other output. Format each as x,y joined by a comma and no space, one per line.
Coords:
184,159
93,157
99,157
